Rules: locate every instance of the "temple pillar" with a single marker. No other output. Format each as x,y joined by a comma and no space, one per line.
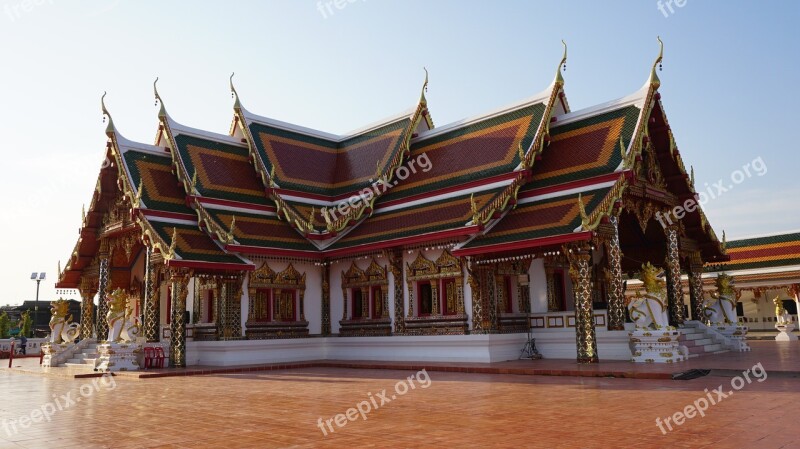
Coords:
580,259
365,307
345,315
473,279
101,325
616,293
152,294
524,294
326,300
180,290
673,274
696,288
396,267
88,290
491,295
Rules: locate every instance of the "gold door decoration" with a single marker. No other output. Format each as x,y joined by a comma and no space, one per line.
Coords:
366,280
513,269
446,266
286,304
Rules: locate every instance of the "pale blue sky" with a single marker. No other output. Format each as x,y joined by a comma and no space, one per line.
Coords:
729,86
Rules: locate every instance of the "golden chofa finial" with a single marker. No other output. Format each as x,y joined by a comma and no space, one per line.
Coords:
562,65
424,86
234,94
691,178
110,127
163,111
655,82
521,153
724,240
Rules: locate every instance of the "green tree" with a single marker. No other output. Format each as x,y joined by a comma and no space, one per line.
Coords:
25,324
5,325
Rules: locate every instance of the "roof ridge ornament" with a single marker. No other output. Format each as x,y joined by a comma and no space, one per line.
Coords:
110,127
561,65
655,82
582,210
424,86
163,111
234,94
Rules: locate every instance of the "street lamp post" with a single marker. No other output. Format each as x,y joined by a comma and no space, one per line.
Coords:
38,277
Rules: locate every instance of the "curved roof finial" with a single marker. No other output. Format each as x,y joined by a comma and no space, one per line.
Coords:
562,64
654,81
424,85
110,127
234,94
163,111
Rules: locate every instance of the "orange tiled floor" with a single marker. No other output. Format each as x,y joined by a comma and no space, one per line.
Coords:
281,409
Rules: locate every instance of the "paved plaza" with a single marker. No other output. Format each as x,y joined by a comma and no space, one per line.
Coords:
299,408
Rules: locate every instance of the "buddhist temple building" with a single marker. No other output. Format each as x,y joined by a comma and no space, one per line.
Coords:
398,241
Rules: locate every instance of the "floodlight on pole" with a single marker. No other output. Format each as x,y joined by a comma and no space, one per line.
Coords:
38,277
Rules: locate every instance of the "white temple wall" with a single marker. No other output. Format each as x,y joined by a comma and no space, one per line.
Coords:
467,297
538,286
337,302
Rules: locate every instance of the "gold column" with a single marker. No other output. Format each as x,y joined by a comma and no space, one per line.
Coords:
396,266
88,290
696,287
673,268
616,295
460,295
101,325
580,257
180,290
473,279
301,294
501,294
326,300
435,297
410,299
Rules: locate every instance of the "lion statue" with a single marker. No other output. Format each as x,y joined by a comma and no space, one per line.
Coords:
720,309
649,311
62,329
122,325
780,311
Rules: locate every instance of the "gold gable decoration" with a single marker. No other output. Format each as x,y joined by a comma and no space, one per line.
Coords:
266,277
446,265
373,275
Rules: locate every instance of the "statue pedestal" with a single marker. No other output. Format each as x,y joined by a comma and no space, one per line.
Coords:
735,335
55,354
785,332
656,346
118,356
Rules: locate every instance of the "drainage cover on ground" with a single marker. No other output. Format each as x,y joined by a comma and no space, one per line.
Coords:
691,374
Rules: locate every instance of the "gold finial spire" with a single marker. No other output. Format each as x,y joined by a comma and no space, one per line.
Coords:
424,86
724,240
234,94
378,170
654,81
563,64
692,176
474,208
582,210
194,181
272,176
110,126
83,214
163,111
59,268
521,153
622,150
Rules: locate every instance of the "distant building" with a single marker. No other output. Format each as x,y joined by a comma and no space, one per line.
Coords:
42,322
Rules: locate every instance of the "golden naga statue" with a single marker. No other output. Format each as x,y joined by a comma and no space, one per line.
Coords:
122,326
649,310
720,309
780,311
62,329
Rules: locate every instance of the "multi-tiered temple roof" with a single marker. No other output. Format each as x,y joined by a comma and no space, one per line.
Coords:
526,176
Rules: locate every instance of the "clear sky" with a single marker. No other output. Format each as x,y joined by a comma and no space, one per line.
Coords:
729,86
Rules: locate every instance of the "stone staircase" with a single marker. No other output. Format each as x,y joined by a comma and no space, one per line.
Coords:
86,358
699,341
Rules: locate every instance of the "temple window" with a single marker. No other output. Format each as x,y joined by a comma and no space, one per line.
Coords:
425,298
